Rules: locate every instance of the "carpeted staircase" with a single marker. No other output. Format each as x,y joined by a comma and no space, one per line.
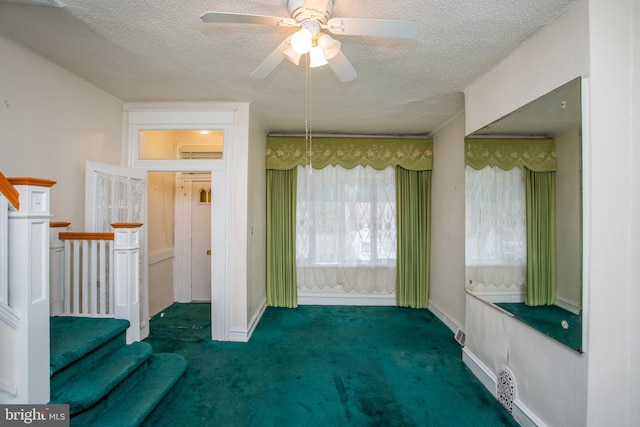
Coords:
105,381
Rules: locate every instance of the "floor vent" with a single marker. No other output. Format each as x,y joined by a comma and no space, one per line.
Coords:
506,389
460,337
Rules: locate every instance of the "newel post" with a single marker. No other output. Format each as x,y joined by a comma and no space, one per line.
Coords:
28,254
56,267
126,276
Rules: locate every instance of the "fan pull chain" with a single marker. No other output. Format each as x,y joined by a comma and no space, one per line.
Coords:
308,123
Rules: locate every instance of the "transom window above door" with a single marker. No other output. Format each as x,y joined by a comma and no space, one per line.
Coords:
181,144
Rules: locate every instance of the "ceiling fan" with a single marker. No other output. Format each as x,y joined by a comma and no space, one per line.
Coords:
311,17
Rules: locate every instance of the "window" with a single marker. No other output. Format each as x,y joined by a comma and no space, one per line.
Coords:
181,144
496,235
346,229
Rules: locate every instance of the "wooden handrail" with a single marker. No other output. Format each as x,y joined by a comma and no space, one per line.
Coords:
37,182
59,224
80,235
9,191
126,224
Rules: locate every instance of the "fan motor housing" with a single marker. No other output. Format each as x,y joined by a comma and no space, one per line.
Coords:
311,10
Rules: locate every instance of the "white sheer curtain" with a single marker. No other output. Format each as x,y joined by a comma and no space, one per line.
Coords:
119,199
496,234
346,230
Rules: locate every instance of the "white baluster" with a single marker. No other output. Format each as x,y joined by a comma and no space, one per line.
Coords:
56,267
126,276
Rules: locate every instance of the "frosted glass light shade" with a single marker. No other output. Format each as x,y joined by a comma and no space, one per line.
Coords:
316,57
301,41
329,45
292,55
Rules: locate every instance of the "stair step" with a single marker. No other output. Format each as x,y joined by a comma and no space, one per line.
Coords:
74,338
163,373
84,391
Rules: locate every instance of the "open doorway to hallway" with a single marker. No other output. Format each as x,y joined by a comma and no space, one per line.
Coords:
181,141
179,233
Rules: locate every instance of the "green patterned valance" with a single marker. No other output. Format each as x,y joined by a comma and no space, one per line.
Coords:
287,152
538,155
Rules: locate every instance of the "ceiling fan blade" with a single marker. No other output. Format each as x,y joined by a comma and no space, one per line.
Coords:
245,18
343,68
271,62
373,27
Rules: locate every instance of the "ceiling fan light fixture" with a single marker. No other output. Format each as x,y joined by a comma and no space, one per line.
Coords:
329,45
311,17
302,41
291,54
316,57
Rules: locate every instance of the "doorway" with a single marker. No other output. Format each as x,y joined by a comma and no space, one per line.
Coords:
201,241
162,138
179,238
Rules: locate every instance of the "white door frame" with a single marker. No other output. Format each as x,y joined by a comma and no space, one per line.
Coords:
145,117
182,234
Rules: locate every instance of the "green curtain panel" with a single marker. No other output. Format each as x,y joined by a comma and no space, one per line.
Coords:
281,238
541,232
413,213
536,154
287,152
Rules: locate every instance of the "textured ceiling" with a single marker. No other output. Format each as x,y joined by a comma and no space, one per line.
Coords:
151,50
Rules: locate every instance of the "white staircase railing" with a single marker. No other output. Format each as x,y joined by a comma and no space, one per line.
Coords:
81,286
32,269
25,344
97,274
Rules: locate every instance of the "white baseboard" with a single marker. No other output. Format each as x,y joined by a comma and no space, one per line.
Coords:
451,324
480,370
161,255
497,297
523,415
244,335
346,299
570,306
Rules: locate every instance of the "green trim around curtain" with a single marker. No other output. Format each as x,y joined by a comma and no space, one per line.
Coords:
413,216
282,288
541,235
287,152
536,154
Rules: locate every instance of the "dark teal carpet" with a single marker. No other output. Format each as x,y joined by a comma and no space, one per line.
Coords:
549,320
74,337
184,316
325,366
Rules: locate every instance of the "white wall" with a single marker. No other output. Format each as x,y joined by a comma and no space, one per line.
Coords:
257,221
551,379
51,122
634,294
248,251
446,289
614,200
238,225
